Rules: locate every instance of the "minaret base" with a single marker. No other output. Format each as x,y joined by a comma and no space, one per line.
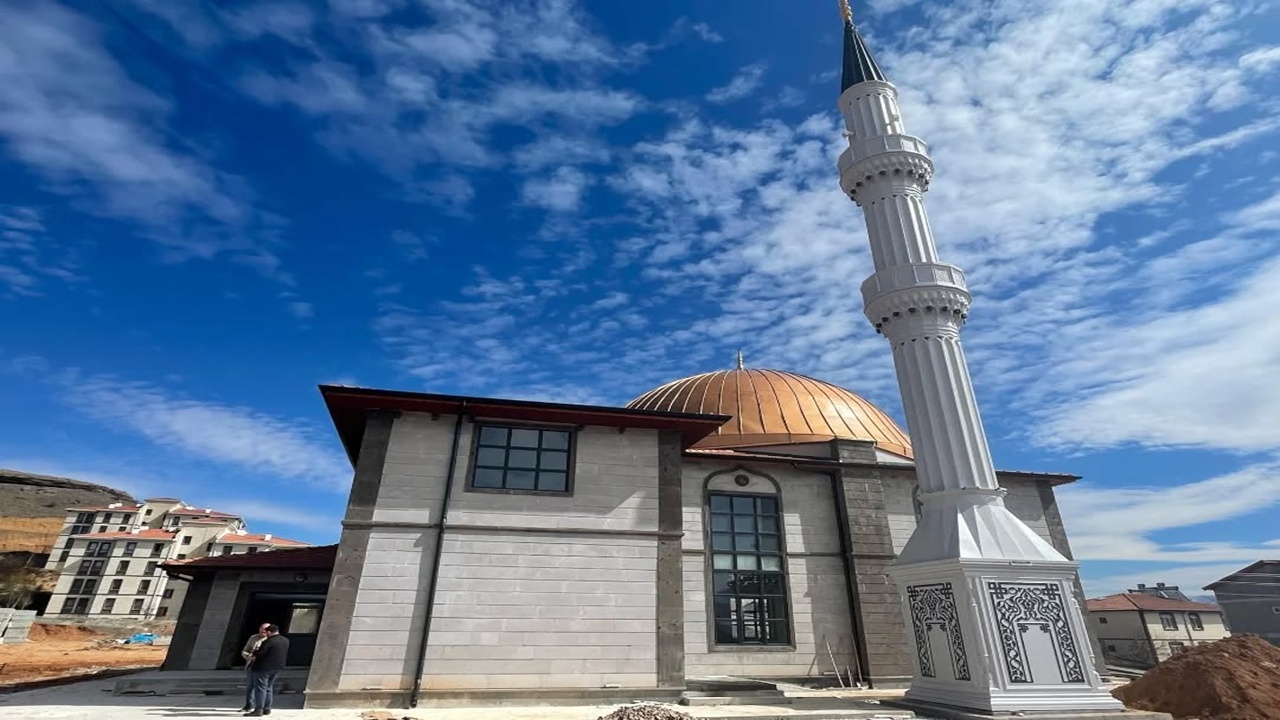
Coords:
999,636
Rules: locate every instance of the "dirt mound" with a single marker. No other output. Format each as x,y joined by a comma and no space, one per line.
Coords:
645,712
1233,679
40,631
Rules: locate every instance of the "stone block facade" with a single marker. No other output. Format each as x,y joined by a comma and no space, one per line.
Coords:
607,585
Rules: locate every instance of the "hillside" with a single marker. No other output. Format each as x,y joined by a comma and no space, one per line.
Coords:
32,507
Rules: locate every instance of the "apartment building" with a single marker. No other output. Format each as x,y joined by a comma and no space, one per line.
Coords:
108,557
1144,626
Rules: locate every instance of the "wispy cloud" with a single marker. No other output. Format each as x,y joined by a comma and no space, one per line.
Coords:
745,83
28,256
420,96
86,130
1121,523
231,435
561,191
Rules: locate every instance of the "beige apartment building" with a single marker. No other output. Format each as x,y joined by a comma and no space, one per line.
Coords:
108,557
1140,628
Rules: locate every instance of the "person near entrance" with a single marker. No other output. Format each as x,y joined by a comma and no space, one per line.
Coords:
268,660
247,653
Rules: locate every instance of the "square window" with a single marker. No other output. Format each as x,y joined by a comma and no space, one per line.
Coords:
136,608
523,438
522,459
555,440
109,606
1102,621
553,460
521,480
487,478
553,481
721,523
722,562
491,457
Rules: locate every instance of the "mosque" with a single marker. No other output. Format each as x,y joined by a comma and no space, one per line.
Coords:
734,523
746,522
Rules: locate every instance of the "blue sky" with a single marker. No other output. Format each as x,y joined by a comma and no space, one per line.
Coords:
208,208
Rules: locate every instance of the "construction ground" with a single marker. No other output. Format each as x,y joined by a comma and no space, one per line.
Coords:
61,651
93,699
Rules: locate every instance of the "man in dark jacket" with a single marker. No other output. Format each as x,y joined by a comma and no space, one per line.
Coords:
268,661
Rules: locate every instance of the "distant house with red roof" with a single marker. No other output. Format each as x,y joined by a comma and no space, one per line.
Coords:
1143,626
109,556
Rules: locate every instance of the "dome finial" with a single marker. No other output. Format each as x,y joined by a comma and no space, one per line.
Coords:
741,365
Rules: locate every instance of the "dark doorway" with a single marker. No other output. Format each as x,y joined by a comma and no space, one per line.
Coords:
298,616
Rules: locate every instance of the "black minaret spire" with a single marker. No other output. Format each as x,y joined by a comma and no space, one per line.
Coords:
859,66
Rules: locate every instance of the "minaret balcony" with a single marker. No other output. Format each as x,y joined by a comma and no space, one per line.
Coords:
862,148
929,288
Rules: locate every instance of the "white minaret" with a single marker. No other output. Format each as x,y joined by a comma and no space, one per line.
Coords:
991,616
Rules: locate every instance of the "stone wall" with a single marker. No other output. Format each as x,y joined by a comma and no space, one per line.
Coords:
534,610
818,596
533,591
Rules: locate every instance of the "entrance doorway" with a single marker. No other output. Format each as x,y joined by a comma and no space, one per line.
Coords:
297,614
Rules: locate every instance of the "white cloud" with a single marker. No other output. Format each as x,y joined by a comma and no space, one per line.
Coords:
302,310
742,237
1118,523
72,115
559,192
27,255
746,82
705,32
1261,60
412,245
234,436
1190,579
379,96
787,97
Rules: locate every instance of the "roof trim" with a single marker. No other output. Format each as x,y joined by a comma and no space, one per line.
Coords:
348,407
1244,570
320,557
1055,479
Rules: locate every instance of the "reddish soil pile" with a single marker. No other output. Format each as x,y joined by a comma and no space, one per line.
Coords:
40,631
1233,679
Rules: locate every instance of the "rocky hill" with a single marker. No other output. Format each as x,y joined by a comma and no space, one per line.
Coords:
32,507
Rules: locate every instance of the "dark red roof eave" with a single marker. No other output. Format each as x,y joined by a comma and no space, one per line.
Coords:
305,558
348,407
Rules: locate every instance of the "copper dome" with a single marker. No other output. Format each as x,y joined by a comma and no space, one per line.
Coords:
773,407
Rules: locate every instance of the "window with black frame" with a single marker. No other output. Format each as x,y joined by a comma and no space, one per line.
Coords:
749,585
528,459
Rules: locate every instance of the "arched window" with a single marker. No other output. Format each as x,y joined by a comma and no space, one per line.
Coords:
749,583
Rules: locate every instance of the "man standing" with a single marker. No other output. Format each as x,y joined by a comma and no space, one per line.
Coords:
247,653
268,661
